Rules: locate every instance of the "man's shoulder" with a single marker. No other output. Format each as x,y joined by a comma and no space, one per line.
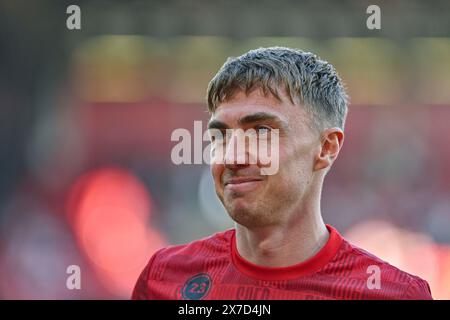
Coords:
364,257
397,280
172,263
215,244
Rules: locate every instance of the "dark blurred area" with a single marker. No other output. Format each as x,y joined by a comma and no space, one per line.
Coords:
86,116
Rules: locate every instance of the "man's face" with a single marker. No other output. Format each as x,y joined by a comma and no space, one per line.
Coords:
253,199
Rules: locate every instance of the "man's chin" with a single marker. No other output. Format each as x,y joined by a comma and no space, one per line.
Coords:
244,213
239,204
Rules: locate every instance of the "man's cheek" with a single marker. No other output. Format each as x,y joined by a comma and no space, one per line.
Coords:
216,172
269,154
271,170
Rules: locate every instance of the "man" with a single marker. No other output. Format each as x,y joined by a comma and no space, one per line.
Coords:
280,247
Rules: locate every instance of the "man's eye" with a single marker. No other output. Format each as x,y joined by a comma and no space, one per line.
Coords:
216,135
263,130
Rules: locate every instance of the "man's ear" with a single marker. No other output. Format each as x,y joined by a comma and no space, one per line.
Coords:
331,143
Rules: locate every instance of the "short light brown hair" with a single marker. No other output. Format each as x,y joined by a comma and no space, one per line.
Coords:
305,78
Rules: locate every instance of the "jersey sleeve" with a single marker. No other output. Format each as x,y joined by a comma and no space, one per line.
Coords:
141,288
418,290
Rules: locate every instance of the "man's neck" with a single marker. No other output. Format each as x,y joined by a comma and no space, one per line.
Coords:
283,245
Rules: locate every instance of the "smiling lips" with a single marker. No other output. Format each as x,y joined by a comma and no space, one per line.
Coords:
242,183
241,180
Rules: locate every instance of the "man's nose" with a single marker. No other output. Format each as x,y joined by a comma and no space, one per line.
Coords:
236,153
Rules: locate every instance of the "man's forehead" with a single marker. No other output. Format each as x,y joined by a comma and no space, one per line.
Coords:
241,105
254,97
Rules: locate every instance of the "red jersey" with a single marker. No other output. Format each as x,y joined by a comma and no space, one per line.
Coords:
211,268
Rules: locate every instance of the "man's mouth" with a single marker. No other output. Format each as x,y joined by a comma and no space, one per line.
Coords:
239,180
242,183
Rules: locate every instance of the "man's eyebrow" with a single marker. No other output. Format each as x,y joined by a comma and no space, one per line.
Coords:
263,116
251,118
216,124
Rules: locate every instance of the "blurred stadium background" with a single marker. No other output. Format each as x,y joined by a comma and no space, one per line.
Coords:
86,116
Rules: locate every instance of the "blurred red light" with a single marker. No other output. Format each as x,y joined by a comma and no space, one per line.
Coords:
109,210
